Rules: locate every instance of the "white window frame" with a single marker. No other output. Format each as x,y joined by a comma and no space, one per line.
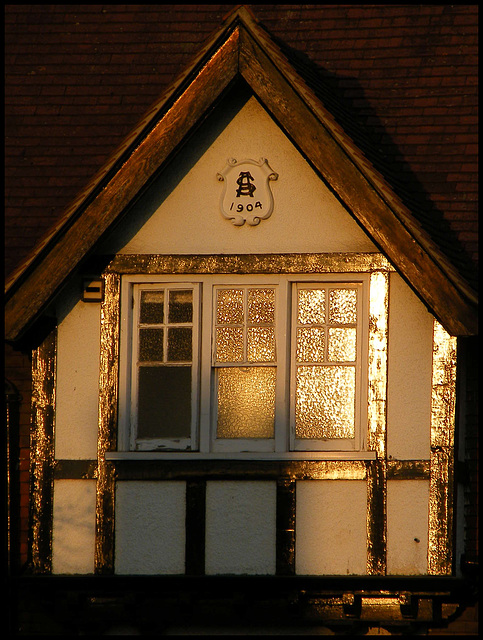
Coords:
129,370
250,444
333,444
203,441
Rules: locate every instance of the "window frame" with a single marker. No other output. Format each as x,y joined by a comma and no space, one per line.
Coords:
204,442
360,416
131,369
230,445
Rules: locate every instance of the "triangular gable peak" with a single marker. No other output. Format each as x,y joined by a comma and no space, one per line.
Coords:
241,49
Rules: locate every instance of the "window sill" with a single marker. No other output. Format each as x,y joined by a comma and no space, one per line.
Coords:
262,456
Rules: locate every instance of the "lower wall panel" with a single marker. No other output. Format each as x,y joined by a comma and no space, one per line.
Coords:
240,527
331,527
150,527
74,526
407,527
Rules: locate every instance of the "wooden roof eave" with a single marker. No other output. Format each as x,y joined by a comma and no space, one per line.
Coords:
80,233
414,255
121,154
241,47
359,159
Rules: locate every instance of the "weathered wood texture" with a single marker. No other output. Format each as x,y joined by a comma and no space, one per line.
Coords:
236,53
333,163
79,239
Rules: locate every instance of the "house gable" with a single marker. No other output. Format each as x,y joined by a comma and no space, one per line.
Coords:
241,49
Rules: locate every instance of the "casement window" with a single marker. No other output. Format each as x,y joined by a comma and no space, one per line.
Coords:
239,364
164,366
325,366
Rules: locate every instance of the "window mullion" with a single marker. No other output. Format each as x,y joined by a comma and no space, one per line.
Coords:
206,401
134,367
282,389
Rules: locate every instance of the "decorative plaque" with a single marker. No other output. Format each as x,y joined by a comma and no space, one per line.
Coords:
246,196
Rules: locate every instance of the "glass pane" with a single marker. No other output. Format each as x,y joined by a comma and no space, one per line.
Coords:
151,345
342,345
152,307
343,306
310,344
164,402
246,402
229,306
261,344
311,306
261,306
324,406
179,344
229,344
180,306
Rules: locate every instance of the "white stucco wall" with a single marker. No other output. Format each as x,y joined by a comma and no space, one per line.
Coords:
409,374
330,537
77,389
240,527
407,527
185,214
150,527
74,528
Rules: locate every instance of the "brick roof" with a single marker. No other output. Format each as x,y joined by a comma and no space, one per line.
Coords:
402,78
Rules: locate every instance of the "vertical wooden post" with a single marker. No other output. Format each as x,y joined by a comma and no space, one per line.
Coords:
108,396
285,527
44,362
440,547
376,437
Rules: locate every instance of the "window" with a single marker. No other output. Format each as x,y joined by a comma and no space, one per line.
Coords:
242,364
326,343
164,366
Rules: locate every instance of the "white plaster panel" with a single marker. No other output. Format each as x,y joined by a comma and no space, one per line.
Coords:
77,389
330,537
240,527
407,526
74,526
182,212
409,374
150,527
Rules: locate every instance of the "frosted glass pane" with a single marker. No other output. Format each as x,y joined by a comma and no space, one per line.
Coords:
261,306
179,344
325,399
229,306
343,306
246,402
261,344
342,345
164,402
151,345
229,344
310,344
180,306
311,306
152,307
